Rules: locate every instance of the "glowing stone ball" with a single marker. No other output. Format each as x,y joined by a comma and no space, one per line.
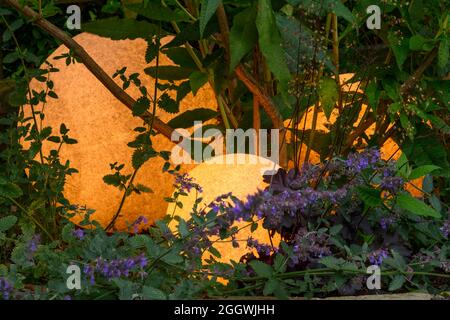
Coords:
103,126
241,174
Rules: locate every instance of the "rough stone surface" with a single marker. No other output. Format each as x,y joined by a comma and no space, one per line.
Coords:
103,126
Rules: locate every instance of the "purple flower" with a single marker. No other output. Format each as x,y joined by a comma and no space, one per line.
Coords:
445,228
262,249
140,220
79,234
377,257
390,182
115,268
386,222
185,183
6,289
357,162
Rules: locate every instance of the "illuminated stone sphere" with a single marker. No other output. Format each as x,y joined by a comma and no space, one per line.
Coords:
103,126
240,174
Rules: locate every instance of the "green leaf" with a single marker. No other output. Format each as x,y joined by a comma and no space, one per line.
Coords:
271,45
373,95
153,293
415,206
341,10
119,29
443,53
279,263
187,118
11,57
168,104
370,196
142,156
208,9
261,269
243,35
154,10
399,47
7,223
396,283
183,228
168,72
142,104
422,171
328,94
417,42
197,80
332,262
10,190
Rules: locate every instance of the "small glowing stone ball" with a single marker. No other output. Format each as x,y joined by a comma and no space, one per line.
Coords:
240,174
103,126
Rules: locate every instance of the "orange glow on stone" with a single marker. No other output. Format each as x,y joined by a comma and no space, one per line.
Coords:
103,126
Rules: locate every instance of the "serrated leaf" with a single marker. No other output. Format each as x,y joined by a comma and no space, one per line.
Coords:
119,29
415,206
261,269
168,104
328,95
142,156
142,104
187,118
7,223
243,35
153,293
332,262
208,8
10,190
396,283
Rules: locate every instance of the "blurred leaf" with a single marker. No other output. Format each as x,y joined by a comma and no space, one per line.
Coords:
119,29
7,223
197,80
422,171
370,196
271,45
208,8
417,42
400,47
396,283
153,293
10,190
261,269
328,95
172,73
415,206
243,35
154,10
443,53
